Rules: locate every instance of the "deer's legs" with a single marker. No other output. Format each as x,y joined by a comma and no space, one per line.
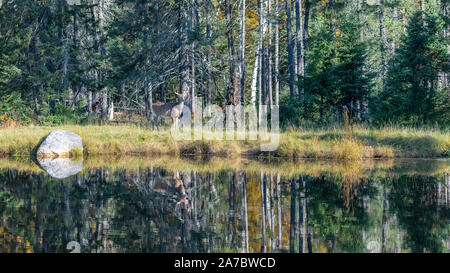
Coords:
154,122
175,122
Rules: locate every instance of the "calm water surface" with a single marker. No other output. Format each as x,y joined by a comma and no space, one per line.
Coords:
303,207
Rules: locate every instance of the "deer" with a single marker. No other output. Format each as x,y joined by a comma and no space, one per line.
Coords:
169,109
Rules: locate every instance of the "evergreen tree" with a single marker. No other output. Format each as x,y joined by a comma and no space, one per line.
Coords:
415,93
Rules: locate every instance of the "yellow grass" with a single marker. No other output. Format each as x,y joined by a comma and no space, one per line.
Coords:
294,143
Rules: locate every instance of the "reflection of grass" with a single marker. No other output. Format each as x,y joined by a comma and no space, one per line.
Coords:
294,143
76,154
348,170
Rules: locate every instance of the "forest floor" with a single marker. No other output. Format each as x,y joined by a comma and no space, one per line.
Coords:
355,144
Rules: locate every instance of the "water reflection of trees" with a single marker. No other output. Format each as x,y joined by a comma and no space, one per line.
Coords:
154,210
422,206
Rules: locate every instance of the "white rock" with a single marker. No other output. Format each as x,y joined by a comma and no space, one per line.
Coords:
59,143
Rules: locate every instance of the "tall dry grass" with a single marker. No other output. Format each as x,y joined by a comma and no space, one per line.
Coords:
333,143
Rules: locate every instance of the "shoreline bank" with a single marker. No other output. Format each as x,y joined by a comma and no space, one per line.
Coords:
333,144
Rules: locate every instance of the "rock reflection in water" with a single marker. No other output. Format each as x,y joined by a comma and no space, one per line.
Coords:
156,210
60,167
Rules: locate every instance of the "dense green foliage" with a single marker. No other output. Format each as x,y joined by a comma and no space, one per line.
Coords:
414,92
386,61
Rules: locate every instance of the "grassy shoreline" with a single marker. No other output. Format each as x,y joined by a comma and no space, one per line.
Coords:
336,144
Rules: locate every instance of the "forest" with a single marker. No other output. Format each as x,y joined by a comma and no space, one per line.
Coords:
70,62
361,89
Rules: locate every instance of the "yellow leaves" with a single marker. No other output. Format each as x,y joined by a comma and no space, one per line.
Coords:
252,19
6,121
323,248
338,33
3,117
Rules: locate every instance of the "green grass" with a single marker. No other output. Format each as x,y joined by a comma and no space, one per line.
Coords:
333,143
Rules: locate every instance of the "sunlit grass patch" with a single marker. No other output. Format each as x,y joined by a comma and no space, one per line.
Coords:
333,143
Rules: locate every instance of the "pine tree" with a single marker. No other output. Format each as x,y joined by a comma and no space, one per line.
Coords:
413,94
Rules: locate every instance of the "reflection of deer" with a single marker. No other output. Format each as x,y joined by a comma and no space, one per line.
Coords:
169,109
174,186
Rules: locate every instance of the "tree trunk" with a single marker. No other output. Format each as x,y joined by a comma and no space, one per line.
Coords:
290,45
104,96
299,36
383,45
395,18
254,86
269,56
123,94
242,52
192,57
184,60
422,8
76,85
260,58
104,104
445,10
208,52
36,87
232,94
89,102
65,59
277,54
148,87
305,31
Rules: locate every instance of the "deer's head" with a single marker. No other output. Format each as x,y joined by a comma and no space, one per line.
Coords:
180,97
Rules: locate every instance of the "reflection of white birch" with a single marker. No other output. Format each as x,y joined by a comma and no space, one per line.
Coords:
263,214
447,192
279,211
244,214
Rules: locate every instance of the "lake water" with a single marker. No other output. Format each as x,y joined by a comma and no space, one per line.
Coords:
176,205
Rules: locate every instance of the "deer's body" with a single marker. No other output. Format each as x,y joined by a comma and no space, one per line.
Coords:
160,110
169,109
